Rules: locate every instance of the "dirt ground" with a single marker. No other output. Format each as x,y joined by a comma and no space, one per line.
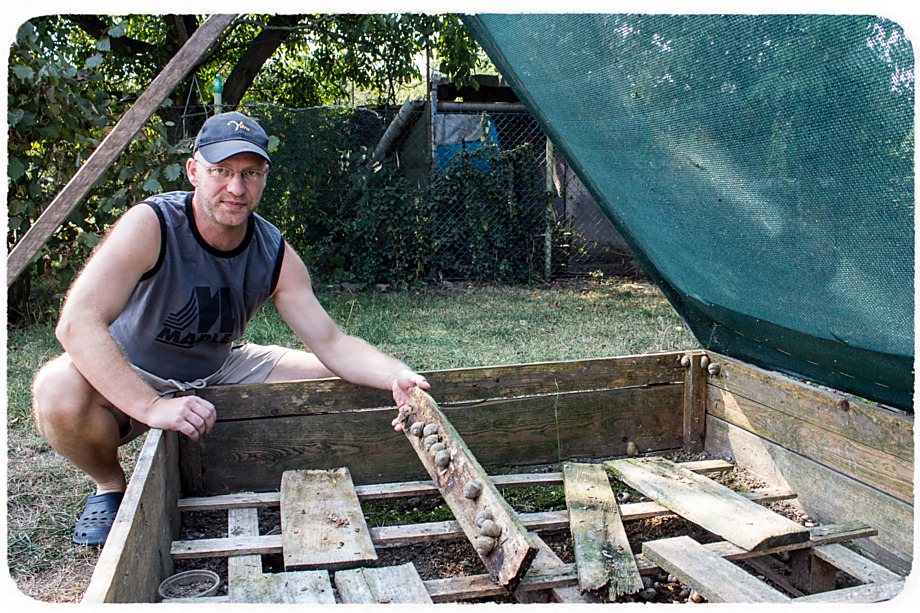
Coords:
436,560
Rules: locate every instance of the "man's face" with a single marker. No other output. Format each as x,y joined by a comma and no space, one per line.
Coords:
227,202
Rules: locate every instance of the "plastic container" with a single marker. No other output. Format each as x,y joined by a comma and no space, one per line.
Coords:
190,584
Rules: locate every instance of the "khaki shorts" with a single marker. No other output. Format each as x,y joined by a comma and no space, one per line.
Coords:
246,364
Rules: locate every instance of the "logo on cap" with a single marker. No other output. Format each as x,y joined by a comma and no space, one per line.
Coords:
238,124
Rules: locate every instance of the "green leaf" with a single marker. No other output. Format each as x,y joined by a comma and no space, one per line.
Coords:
104,44
24,73
93,61
173,172
15,168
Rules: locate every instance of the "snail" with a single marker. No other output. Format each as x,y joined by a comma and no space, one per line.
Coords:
685,361
704,361
443,458
430,440
482,516
434,449
623,497
714,368
490,528
416,429
484,544
430,429
632,450
472,489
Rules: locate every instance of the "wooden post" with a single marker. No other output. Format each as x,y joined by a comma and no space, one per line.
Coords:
456,472
116,141
694,402
811,574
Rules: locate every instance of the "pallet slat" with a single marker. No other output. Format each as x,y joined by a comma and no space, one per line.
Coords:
295,587
854,564
513,549
243,522
383,585
322,525
602,552
707,503
714,577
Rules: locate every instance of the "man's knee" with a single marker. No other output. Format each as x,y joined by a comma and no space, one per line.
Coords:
59,393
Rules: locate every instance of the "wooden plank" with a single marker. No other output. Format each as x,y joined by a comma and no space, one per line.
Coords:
602,552
707,503
294,587
428,488
480,586
827,495
512,550
391,536
252,454
114,143
872,592
714,577
877,427
384,585
460,385
855,565
879,469
322,525
694,413
243,522
811,574
135,558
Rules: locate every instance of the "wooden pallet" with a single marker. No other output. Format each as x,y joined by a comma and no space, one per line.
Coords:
547,580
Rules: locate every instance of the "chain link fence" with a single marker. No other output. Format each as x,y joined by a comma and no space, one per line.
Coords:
403,195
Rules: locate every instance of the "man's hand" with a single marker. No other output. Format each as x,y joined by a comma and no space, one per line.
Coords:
402,387
192,416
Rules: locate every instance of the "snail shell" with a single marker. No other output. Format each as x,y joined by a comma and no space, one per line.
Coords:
484,544
483,516
472,489
416,429
685,361
434,449
631,449
704,361
430,429
430,440
623,497
443,458
490,528
714,368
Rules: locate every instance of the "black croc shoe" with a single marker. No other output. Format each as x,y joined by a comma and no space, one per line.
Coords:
98,516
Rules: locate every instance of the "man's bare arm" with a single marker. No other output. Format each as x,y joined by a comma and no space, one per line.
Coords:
349,357
95,301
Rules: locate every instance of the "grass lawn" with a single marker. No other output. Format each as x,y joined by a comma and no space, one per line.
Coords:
429,330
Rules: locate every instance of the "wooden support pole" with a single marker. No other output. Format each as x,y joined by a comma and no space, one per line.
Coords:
114,143
456,472
694,402
810,574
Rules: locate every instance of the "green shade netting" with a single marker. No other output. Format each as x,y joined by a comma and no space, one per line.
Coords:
760,167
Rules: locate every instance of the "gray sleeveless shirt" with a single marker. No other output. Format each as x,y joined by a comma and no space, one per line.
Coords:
185,313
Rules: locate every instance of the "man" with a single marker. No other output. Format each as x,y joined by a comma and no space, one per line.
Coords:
157,308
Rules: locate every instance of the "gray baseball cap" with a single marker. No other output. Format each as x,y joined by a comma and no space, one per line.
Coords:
228,134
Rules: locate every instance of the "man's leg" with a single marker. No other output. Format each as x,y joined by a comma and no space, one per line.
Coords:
79,423
295,365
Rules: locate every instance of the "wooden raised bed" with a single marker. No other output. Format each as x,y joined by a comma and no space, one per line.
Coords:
849,464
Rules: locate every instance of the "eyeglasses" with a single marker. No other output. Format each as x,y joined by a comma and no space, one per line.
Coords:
252,177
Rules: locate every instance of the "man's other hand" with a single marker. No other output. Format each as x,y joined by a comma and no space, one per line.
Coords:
192,416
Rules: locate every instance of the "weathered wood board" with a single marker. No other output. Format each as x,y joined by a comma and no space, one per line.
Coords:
860,594
602,552
243,522
382,585
854,564
707,503
296,587
512,549
714,577
547,560
694,414
827,495
322,525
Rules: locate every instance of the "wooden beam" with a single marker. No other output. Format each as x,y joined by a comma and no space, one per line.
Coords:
694,413
602,552
114,143
811,574
855,565
510,549
296,587
714,577
545,560
707,503
139,543
243,522
860,594
322,525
